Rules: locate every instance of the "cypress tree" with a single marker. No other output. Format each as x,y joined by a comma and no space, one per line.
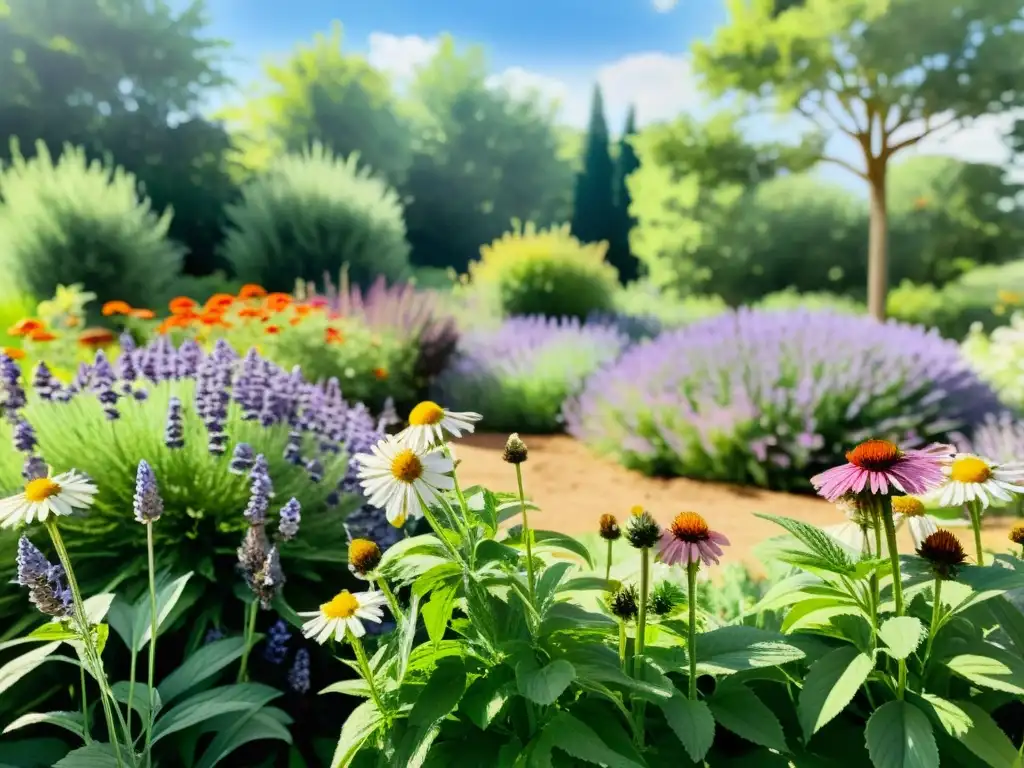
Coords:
593,203
619,254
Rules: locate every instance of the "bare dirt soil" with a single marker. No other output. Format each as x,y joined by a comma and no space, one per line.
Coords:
573,488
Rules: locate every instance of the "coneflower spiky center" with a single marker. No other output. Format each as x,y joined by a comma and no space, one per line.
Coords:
875,455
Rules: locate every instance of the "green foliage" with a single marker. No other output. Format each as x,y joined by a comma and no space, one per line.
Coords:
311,213
321,94
998,357
642,299
545,272
484,156
593,213
75,221
791,299
14,307
619,255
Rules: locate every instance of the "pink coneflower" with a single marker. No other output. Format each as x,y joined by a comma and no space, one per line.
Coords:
689,540
881,467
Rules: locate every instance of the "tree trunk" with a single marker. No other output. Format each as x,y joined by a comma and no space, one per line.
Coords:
878,241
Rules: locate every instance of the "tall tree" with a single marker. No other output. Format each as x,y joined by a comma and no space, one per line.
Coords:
593,202
322,94
619,254
885,73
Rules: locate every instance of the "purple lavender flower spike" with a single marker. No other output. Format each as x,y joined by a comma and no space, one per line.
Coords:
102,372
213,634
174,428
276,648
291,516
45,581
148,504
190,354
298,675
242,459
260,490
24,437
12,394
44,383
315,470
33,468
293,448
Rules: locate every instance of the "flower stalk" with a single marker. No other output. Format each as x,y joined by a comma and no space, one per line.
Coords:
691,640
251,609
154,619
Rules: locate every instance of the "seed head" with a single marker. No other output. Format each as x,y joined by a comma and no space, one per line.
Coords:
609,528
363,556
642,531
625,603
665,598
515,450
1017,534
944,552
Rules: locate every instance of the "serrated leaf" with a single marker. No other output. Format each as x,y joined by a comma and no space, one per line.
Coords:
830,685
901,635
441,694
899,735
578,740
216,701
986,740
543,685
692,723
739,709
437,612
737,648
201,665
361,724
831,553
951,717
999,674
69,721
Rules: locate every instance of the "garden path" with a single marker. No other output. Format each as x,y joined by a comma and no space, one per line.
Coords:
573,488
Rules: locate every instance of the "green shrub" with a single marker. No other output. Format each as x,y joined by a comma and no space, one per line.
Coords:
76,221
546,272
998,358
814,300
643,299
201,287
308,215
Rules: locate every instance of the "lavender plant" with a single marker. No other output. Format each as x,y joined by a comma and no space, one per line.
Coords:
522,373
768,397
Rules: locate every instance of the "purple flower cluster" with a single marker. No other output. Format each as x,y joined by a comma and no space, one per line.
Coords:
298,675
519,374
47,588
769,398
276,646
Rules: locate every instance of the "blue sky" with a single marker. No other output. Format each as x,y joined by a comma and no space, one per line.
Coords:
636,51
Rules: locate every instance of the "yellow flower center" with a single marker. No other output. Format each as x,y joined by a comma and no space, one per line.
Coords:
426,414
907,506
636,510
406,466
970,469
343,606
364,555
41,489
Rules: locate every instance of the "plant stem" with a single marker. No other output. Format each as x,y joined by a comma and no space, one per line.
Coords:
936,617
438,528
364,665
641,621
396,609
691,648
897,583
87,642
528,537
608,564
622,645
131,690
974,512
154,619
250,629
85,708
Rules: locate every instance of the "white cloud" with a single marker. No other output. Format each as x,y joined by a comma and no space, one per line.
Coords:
522,82
981,141
664,6
400,56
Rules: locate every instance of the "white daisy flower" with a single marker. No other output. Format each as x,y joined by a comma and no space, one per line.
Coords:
906,510
400,479
973,478
428,422
45,496
345,613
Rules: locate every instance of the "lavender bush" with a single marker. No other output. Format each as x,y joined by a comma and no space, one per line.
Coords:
520,374
202,421
769,397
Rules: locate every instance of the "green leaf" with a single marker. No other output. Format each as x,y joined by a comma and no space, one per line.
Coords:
95,755
543,685
737,648
140,694
361,724
487,696
556,540
951,717
816,612
216,701
69,721
353,687
902,635
986,740
986,582
200,666
17,668
899,735
167,597
251,726
692,723
407,636
1000,673
789,591
53,631
830,685
564,616
437,612
97,607
817,541
441,694
32,753
579,741
739,709
549,581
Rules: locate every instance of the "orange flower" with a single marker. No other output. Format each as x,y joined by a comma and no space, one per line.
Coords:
14,353
251,291
380,373
276,302
40,334
177,321
181,305
214,319
333,336
95,337
250,312
25,326
219,301
295,321
164,327
302,310
116,308
272,330
143,314
72,322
